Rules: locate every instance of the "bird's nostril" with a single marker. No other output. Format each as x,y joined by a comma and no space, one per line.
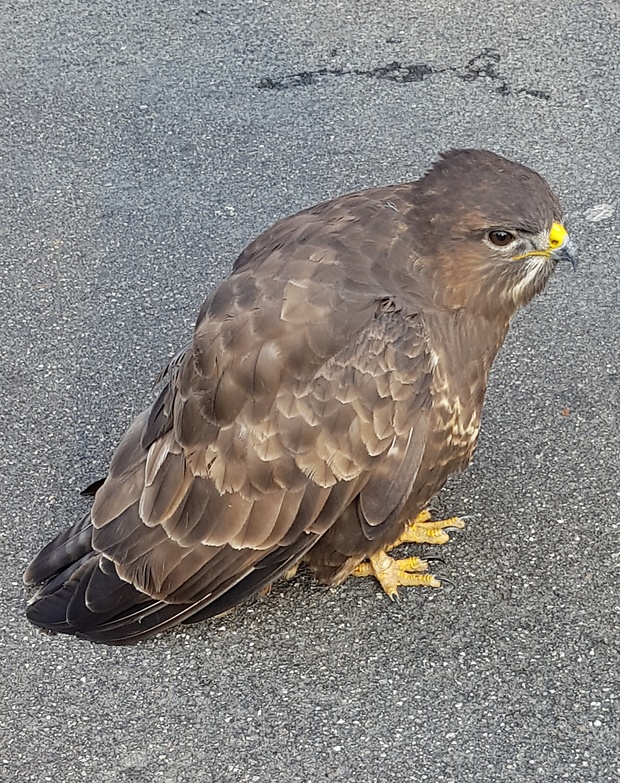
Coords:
557,235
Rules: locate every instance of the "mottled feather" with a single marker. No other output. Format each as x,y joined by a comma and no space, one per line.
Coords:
333,382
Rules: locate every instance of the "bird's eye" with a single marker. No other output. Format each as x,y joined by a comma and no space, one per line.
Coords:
501,238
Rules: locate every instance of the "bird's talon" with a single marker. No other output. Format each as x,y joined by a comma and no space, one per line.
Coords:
424,530
391,573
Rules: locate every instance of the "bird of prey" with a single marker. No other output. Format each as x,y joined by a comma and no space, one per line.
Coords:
334,381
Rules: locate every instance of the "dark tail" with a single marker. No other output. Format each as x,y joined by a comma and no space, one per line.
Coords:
83,595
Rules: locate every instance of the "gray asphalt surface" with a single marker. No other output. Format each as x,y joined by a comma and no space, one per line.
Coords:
142,146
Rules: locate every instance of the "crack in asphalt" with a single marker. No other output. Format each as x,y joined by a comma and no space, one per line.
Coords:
484,66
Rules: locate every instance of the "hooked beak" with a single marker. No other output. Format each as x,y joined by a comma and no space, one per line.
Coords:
560,247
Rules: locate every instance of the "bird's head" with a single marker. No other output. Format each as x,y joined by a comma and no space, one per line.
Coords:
492,230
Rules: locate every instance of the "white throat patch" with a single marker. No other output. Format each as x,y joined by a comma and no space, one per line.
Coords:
535,266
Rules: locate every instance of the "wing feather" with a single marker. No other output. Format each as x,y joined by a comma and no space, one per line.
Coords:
336,432
305,389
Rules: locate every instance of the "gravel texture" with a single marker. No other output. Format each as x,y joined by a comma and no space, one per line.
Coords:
142,146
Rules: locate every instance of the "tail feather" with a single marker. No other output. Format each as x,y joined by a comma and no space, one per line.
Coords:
48,608
62,552
58,580
85,596
120,614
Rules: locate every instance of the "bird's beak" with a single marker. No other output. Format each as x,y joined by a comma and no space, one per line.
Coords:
560,246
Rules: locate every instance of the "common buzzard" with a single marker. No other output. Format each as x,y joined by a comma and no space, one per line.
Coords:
332,384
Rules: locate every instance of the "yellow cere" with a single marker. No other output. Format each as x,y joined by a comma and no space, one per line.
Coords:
557,235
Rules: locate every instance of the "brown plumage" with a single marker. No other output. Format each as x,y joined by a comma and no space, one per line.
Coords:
333,382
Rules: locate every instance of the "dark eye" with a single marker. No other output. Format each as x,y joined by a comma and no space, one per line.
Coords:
501,238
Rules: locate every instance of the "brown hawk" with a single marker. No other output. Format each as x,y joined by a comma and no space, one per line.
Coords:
332,384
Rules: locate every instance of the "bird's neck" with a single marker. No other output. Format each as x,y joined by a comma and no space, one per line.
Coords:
466,342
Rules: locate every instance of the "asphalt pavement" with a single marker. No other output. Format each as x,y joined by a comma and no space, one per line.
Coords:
142,145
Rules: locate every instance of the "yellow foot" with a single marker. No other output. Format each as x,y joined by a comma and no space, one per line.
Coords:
423,530
391,573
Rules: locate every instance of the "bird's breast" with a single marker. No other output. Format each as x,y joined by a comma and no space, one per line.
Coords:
460,424
457,405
